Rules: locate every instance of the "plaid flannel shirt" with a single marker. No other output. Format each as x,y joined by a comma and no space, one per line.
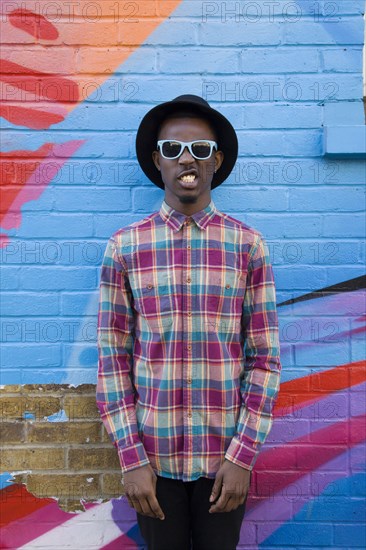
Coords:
188,343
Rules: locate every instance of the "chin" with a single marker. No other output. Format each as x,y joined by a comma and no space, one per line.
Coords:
188,199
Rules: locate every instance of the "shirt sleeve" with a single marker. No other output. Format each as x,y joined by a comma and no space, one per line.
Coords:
260,381
115,391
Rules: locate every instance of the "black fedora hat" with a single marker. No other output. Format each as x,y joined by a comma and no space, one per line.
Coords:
146,137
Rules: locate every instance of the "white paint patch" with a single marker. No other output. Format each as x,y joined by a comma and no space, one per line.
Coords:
90,530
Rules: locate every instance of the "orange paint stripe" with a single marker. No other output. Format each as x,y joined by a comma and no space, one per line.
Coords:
295,394
100,46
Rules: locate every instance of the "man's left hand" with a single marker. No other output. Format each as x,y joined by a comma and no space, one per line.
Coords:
230,488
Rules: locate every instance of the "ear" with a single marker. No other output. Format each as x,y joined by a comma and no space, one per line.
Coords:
219,159
156,160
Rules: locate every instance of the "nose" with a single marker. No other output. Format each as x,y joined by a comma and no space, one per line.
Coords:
185,157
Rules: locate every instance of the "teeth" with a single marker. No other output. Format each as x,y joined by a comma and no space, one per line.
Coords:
188,178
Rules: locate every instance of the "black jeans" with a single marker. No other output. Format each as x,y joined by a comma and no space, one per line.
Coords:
187,524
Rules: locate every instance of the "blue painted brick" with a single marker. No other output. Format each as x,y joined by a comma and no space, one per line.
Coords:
263,143
300,278
92,200
302,143
191,60
348,7
241,34
122,116
337,225
342,59
295,171
353,536
247,199
107,224
283,116
322,87
345,31
286,225
45,278
28,304
300,535
72,303
254,89
345,141
118,173
56,225
38,355
148,201
157,92
344,113
327,199
285,60
9,278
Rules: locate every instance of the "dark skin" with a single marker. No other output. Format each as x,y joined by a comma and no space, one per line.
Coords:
187,201
231,482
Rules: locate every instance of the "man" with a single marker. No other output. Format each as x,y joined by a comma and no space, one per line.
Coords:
188,339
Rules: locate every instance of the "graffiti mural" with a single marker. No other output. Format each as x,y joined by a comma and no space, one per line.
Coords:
75,80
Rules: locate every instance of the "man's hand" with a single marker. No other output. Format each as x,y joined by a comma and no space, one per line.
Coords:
230,487
140,490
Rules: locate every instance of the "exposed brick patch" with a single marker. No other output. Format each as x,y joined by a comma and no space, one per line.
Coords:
53,441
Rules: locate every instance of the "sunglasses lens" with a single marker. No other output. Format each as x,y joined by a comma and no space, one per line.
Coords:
201,149
171,149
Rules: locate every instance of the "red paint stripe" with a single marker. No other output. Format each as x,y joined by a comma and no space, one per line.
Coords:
15,168
18,533
297,393
35,524
35,119
282,466
48,85
34,24
16,502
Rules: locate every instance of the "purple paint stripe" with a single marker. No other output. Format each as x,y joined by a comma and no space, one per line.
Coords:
317,415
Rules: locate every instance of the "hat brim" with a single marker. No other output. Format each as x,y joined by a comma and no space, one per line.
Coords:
146,138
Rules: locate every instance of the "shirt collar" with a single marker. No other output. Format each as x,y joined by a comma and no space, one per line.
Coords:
176,219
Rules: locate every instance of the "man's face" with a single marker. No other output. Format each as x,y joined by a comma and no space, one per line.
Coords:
187,194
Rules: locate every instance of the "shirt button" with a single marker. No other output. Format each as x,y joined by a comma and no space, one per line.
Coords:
228,286
149,286
189,280
189,246
189,348
189,313
189,415
189,380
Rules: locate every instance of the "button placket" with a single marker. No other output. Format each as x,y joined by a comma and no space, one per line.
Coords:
187,343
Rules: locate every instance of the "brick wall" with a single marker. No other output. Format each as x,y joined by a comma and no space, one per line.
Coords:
53,441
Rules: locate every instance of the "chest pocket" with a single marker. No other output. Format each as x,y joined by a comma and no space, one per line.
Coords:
152,292
224,300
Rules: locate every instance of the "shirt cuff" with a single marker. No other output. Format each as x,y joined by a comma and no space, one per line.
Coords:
132,457
241,454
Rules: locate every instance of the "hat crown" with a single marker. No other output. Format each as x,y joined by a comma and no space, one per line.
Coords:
190,98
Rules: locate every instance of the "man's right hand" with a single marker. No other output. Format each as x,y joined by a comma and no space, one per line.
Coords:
140,490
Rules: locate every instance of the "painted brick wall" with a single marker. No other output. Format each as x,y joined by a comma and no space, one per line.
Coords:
76,79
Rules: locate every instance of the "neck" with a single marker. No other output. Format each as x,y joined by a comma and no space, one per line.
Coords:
188,208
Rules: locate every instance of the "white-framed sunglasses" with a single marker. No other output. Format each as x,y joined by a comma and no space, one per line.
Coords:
200,149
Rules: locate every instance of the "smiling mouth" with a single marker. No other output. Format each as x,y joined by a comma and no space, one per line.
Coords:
188,181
